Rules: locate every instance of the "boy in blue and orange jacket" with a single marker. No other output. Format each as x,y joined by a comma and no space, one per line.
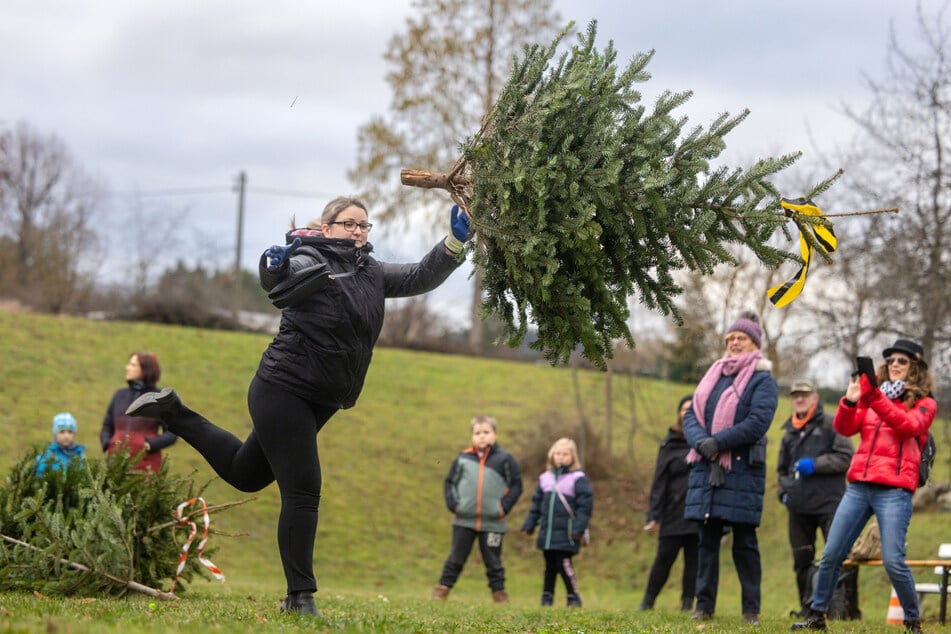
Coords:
483,484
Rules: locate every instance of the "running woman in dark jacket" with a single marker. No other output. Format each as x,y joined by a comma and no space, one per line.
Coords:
332,293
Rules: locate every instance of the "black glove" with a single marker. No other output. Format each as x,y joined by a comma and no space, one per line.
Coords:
708,448
717,474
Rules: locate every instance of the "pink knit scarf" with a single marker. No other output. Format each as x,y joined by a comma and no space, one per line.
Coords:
743,367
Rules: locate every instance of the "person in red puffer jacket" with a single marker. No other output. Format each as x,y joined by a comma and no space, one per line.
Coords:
892,421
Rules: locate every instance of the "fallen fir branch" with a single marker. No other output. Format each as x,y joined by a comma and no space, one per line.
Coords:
132,585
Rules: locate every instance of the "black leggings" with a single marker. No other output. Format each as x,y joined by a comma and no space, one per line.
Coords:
558,563
283,447
667,549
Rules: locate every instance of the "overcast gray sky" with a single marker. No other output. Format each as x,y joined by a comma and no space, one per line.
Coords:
175,94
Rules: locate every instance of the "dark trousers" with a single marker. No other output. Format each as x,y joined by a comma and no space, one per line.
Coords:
283,447
667,549
745,558
558,562
803,528
490,545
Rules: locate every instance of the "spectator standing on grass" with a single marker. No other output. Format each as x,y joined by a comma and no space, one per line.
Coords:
482,486
665,516
813,460
63,451
561,509
733,407
136,434
891,420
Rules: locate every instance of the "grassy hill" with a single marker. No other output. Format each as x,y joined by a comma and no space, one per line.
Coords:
383,525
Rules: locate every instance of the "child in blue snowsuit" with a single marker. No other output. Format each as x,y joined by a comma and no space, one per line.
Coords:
561,508
63,451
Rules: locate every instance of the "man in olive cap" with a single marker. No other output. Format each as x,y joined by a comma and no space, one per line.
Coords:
813,461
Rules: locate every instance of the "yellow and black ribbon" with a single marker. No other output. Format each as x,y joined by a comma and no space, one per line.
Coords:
785,293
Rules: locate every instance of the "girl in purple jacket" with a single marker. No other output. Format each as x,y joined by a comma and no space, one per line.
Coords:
561,508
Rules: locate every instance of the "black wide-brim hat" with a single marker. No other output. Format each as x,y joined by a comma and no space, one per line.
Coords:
910,348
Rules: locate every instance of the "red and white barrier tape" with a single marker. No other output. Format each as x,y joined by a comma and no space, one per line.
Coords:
193,530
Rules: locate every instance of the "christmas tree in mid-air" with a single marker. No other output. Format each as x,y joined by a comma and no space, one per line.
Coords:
583,197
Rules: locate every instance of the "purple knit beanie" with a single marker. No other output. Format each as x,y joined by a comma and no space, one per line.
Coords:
748,324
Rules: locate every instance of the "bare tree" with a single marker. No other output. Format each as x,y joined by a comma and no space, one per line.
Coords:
898,160
47,203
711,302
446,70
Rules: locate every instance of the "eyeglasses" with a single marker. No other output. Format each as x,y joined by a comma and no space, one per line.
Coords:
739,338
898,360
351,225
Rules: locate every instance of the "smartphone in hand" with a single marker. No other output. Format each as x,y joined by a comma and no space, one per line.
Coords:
865,366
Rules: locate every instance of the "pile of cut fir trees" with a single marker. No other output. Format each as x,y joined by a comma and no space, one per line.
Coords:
97,528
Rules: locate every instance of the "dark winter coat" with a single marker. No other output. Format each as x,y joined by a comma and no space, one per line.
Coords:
740,498
889,452
56,457
122,432
668,494
323,348
819,493
557,529
481,490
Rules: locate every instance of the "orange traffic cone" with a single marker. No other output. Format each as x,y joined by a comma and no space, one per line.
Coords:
895,615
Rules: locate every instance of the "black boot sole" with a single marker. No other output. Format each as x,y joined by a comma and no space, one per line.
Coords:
154,404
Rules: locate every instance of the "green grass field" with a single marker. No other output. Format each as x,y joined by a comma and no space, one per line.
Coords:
384,531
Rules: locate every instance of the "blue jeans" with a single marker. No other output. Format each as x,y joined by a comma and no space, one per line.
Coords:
892,509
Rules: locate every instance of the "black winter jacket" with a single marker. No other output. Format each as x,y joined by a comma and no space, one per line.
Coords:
669,487
323,348
819,493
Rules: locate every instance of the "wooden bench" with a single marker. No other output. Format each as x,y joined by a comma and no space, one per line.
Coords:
942,567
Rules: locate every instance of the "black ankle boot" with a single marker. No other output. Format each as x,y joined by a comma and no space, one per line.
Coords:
914,627
814,621
300,603
548,598
155,404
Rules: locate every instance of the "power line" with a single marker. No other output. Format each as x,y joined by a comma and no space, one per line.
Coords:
289,192
218,189
179,191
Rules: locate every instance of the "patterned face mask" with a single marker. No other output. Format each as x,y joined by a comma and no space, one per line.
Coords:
893,389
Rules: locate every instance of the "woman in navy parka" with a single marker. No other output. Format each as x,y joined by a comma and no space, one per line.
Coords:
733,407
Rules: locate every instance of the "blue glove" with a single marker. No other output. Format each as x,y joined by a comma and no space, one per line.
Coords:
277,255
459,230
459,222
805,466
